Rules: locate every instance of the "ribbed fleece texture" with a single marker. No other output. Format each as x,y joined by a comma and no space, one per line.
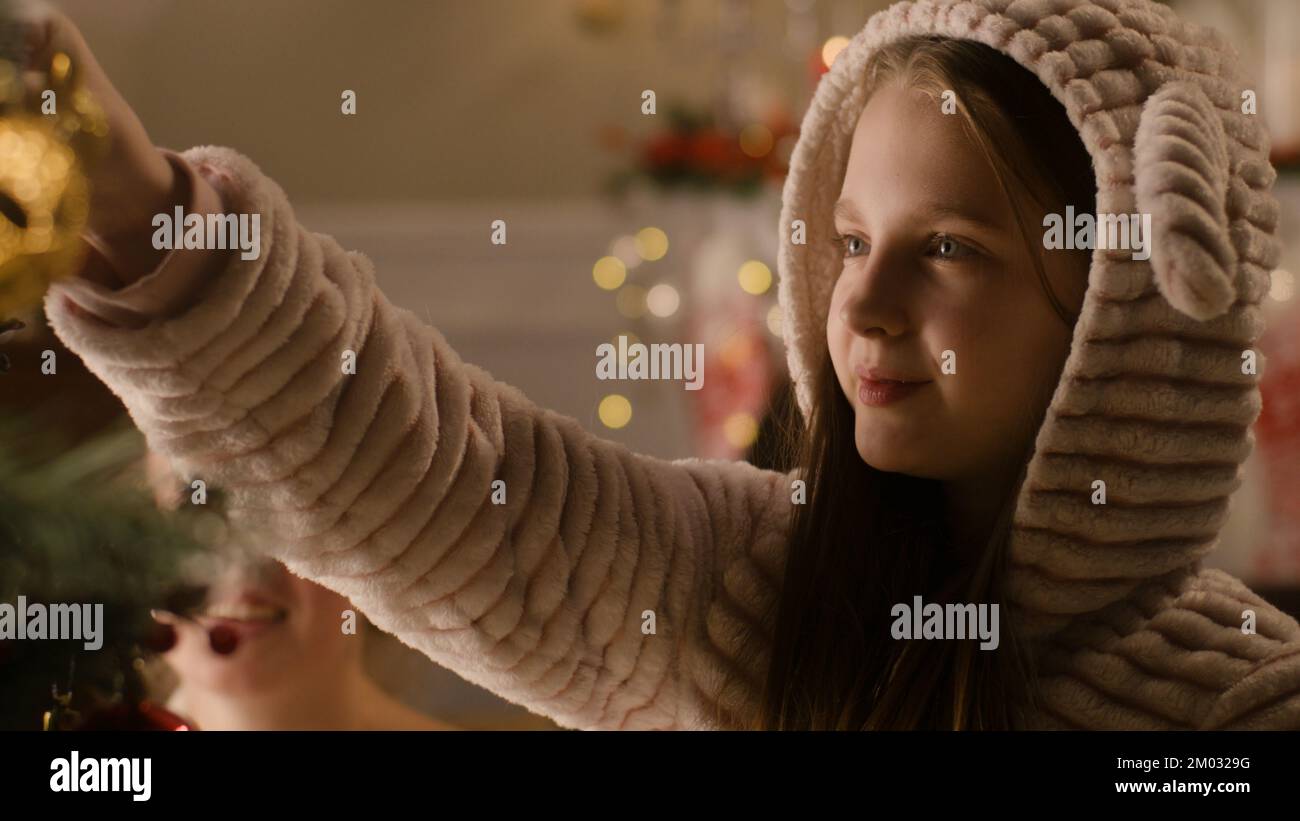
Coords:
378,485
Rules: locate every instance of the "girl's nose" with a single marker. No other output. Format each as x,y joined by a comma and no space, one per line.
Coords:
260,571
241,567
877,296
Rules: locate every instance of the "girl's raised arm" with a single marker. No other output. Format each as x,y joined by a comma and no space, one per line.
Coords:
599,587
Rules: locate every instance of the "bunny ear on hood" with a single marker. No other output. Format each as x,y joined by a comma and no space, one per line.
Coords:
1154,398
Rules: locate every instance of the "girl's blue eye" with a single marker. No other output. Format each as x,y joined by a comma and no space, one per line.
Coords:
947,247
943,246
842,242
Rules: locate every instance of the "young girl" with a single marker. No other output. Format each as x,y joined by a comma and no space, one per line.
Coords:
989,421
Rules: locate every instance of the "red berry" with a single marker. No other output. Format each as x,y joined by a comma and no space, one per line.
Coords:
153,717
222,640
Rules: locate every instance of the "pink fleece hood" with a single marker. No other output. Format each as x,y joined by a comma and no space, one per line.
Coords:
1153,398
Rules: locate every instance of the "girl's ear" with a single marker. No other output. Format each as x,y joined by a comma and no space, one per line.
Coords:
1181,176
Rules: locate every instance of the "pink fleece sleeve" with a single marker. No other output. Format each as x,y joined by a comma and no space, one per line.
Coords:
600,587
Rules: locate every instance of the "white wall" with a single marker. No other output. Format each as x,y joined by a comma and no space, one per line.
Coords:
457,99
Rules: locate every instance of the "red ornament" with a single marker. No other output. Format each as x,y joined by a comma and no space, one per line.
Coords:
142,716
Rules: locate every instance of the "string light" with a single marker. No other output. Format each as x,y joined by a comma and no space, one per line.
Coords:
609,272
755,277
663,300
832,48
774,320
651,243
625,249
740,429
631,301
615,411
1282,285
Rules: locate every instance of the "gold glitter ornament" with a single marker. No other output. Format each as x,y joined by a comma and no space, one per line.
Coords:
44,192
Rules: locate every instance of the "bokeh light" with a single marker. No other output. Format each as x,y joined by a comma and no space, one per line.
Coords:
1282,285
832,48
740,429
651,243
609,272
663,300
615,411
755,277
631,301
737,351
625,249
774,320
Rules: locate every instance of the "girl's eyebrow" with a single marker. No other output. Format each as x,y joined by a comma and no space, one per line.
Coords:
846,209
975,216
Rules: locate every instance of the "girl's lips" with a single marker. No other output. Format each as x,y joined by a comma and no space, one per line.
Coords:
247,616
881,392
243,629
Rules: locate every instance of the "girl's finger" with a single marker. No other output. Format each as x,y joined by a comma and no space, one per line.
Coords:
35,22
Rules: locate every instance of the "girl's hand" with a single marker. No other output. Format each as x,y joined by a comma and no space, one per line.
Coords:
132,181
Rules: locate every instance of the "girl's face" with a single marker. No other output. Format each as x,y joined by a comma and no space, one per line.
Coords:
289,633
289,630
938,290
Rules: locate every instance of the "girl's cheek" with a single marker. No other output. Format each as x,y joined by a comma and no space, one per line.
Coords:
952,333
838,339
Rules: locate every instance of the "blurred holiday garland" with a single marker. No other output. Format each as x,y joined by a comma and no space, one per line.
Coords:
695,153
73,532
